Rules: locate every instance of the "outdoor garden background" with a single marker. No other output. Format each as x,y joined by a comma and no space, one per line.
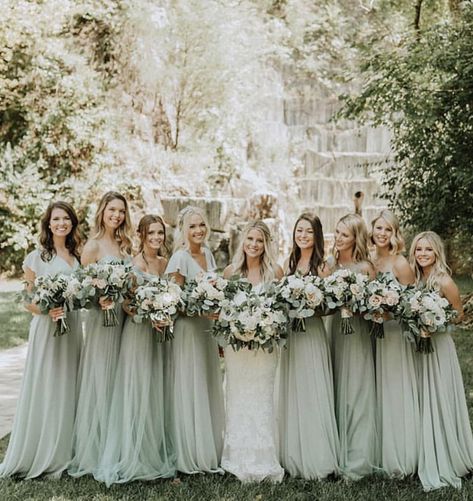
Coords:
249,108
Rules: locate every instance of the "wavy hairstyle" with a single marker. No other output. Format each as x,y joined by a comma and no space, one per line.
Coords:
440,267
267,259
357,227
143,231
46,240
123,234
181,238
397,243
317,257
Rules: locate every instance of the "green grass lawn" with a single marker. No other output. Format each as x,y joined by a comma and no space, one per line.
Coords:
226,488
14,321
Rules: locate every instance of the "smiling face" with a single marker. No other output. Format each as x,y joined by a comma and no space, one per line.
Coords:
114,214
155,237
60,223
197,230
382,233
253,245
344,238
304,235
424,254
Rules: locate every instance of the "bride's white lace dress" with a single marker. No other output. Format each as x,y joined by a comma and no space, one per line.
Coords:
249,450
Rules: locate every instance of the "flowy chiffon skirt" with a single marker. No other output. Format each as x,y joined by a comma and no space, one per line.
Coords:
446,446
398,412
196,400
308,435
137,446
355,398
97,369
41,439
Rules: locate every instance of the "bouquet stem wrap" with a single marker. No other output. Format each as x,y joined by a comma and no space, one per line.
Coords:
298,325
346,321
110,317
377,330
424,343
62,325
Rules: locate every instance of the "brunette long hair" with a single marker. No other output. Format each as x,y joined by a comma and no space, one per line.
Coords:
143,230
73,239
317,257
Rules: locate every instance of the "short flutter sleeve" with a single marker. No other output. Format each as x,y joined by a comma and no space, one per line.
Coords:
179,263
34,262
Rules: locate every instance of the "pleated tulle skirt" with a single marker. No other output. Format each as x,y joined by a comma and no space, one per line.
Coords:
398,413
446,444
196,401
355,397
308,436
137,447
41,439
97,369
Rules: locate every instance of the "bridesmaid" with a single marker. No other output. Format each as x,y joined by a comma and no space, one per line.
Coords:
40,442
353,365
446,443
111,242
196,402
137,447
398,417
307,428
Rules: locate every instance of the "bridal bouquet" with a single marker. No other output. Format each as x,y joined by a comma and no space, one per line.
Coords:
302,296
423,313
111,281
204,293
383,295
158,301
48,293
251,320
345,290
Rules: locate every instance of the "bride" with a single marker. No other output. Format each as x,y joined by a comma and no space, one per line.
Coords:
249,450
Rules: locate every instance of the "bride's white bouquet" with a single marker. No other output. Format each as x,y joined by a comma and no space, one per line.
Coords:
423,313
345,290
251,320
158,300
302,296
203,294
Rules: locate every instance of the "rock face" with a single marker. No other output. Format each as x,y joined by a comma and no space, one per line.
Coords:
338,159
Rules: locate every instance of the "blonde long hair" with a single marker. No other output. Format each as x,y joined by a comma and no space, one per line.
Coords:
267,259
181,240
357,227
397,243
440,267
123,234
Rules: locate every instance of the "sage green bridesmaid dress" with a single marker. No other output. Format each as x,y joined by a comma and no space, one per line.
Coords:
355,398
308,435
196,415
398,412
446,442
41,439
98,364
137,445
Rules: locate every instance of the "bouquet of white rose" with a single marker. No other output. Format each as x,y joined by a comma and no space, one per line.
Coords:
158,301
345,290
302,296
203,294
383,295
251,320
48,293
111,281
423,313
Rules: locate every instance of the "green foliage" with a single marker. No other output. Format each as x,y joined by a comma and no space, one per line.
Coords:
423,89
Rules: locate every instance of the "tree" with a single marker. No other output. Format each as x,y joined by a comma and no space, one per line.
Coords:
423,89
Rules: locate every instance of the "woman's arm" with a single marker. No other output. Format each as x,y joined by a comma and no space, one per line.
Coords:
449,289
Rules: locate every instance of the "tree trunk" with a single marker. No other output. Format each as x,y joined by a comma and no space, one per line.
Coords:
418,10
